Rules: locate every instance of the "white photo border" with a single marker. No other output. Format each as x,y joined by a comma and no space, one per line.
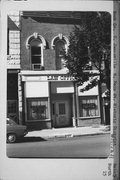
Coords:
51,169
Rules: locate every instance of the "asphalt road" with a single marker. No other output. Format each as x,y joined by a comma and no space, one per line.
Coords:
96,146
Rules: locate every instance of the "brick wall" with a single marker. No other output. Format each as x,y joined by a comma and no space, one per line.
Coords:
89,122
48,30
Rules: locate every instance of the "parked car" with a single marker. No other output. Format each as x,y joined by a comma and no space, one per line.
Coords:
15,131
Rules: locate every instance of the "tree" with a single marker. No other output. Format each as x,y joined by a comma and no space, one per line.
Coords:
90,47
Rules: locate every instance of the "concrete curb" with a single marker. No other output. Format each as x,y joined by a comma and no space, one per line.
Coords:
100,133
60,136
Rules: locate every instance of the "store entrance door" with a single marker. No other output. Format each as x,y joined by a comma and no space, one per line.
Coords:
61,115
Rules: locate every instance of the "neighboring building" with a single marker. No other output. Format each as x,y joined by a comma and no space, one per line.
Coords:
44,92
13,68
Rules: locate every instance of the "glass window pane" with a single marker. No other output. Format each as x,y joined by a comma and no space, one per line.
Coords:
36,52
53,109
36,60
12,106
60,49
88,106
61,108
37,109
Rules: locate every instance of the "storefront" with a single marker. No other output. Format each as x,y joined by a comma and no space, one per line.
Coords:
48,100
88,107
52,101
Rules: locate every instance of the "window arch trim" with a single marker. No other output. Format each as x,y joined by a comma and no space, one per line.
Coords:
60,37
33,37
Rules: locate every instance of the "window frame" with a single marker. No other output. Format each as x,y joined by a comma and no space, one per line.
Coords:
64,39
36,36
30,100
59,65
12,107
41,46
95,97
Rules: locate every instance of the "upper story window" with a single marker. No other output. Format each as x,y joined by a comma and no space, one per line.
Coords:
59,53
36,43
36,54
60,43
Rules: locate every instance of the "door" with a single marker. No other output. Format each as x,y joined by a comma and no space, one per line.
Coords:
61,115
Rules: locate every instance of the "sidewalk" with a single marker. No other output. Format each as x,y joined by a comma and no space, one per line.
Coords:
70,132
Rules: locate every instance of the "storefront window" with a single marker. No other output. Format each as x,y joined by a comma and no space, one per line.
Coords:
37,109
88,106
12,106
12,112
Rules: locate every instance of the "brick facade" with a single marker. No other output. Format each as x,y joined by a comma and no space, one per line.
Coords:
48,97
48,30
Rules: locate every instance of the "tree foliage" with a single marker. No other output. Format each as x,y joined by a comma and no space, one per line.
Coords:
90,46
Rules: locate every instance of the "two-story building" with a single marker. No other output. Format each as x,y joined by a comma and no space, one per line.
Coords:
40,92
48,96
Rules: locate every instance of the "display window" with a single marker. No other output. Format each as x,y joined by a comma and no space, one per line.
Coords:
88,106
37,109
12,109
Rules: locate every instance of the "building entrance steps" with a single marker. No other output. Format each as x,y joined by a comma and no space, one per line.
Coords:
69,132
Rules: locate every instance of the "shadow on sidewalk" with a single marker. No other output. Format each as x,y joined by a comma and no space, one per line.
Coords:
30,139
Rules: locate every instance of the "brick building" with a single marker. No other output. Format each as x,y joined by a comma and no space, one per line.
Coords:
47,96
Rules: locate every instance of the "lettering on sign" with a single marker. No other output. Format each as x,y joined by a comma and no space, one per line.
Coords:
89,106
60,78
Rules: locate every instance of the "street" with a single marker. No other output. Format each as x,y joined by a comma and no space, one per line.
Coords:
78,147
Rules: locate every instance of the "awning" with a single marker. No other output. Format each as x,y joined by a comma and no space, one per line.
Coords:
90,92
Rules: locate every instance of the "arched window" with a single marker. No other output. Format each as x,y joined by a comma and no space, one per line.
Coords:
36,43
59,53
36,54
60,44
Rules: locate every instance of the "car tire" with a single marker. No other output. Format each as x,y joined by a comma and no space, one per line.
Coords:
11,138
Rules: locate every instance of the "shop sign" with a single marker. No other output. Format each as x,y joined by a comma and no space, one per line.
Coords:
13,61
48,78
60,78
13,58
89,106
